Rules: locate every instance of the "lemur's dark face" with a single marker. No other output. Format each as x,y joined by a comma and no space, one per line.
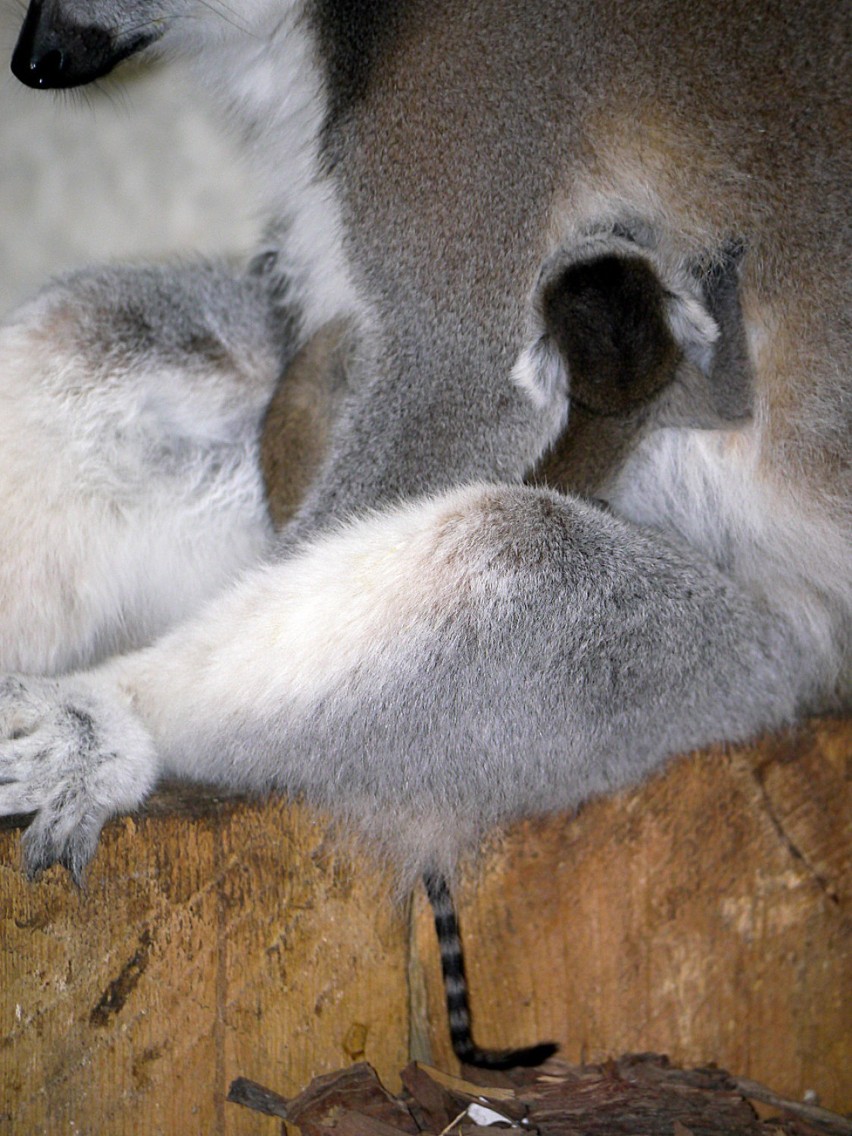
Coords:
67,43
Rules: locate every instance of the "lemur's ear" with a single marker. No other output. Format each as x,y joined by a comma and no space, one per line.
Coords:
607,318
620,332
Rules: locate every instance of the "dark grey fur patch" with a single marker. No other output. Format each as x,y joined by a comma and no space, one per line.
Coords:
85,728
731,377
352,34
724,396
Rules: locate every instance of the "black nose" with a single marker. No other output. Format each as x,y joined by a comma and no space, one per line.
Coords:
41,70
32,62
51,52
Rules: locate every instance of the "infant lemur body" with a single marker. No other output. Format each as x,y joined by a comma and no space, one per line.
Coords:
591,248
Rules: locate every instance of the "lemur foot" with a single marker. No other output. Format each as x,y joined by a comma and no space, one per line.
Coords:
74,756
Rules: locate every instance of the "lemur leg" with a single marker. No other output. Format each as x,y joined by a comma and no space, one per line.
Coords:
130,405
424,674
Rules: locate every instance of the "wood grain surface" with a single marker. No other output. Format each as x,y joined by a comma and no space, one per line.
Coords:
704,915
210,942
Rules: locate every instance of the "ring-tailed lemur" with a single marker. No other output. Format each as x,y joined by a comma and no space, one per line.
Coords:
594,247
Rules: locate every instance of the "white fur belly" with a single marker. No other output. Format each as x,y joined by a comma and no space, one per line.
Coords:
116,522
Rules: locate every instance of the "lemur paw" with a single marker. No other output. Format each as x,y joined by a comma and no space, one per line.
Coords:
74,755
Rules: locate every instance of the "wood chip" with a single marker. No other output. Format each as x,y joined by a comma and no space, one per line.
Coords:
328,1099
463,1086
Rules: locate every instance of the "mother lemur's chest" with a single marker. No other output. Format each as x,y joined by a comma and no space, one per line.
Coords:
395,173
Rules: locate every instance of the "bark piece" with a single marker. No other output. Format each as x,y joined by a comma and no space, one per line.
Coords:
357,1091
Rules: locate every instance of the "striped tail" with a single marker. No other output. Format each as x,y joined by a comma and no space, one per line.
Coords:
455,985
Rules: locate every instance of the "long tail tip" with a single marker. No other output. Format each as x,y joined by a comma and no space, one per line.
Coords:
504,1059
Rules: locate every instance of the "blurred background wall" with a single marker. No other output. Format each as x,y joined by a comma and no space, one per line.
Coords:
136,168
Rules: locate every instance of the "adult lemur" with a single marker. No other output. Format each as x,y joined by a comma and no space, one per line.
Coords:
593,246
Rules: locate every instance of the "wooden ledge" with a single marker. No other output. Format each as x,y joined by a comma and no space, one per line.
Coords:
705,914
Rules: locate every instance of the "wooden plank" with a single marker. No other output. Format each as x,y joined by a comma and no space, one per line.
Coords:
705,915
230,942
